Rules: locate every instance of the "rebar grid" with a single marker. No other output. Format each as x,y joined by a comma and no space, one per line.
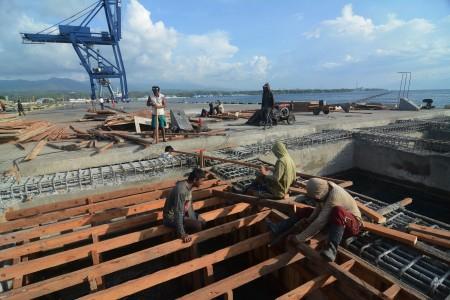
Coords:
63,182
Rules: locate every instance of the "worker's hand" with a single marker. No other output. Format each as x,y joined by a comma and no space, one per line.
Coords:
186,238
263,170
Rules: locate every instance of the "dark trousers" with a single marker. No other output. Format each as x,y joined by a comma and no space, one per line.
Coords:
267,116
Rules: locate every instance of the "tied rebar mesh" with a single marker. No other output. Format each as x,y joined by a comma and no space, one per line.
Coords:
63,182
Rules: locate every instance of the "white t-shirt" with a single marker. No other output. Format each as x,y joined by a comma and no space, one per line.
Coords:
101,100
157,101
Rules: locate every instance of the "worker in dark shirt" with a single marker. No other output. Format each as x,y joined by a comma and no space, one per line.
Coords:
267,105
178,212
20,108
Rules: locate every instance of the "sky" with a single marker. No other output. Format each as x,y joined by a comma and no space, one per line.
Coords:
241,44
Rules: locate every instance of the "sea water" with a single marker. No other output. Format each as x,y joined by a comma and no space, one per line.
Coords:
440,97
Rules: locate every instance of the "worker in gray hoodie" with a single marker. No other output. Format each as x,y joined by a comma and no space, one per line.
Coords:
178,212
336,209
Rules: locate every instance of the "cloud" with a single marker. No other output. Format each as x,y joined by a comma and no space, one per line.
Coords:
314,34
330,65
416,44
152,50
165,54
346,60
350,24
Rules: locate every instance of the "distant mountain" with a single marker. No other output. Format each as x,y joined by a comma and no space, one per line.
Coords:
20,86
52,84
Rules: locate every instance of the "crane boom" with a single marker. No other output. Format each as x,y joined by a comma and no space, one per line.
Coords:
84,41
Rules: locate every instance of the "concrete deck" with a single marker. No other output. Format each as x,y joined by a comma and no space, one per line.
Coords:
52,160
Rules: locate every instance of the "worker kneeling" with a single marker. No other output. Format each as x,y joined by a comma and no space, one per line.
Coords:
276,185
335,208
178,212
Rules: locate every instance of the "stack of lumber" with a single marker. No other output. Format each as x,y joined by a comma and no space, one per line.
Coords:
20,132
7,117
98,115
128,118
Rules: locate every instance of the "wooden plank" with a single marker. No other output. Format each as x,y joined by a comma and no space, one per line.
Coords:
434,240
40,129
96,259
393,234
286,206
394,206
70,279
209,274
148,281
357,287
412,293
90,219
96,207
51,207
221,212
266,267
228,295
315,284
441,233
60,258
84,234
105,147
141,120
36,150
373,215
392,292
46,208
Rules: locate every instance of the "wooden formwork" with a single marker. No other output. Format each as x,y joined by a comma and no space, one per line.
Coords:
113,245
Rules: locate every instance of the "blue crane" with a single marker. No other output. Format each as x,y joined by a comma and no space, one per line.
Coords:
84,42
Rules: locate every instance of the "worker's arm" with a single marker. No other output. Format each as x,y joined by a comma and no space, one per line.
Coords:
314,214
317,225
149,101
179,215
278,171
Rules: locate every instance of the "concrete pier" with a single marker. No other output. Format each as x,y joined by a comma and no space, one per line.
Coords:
52,160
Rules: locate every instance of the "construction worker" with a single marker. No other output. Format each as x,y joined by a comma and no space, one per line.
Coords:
276,185
212,110
219,108
335,209
2,106
178,212
102,103
167,154
20,108
159,102
267,105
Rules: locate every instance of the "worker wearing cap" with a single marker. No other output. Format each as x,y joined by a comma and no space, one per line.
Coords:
158,103
335,209
178,212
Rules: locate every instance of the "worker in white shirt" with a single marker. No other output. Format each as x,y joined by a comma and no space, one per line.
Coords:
158,103
102,103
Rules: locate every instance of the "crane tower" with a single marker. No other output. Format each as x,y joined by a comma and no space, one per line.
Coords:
85,43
